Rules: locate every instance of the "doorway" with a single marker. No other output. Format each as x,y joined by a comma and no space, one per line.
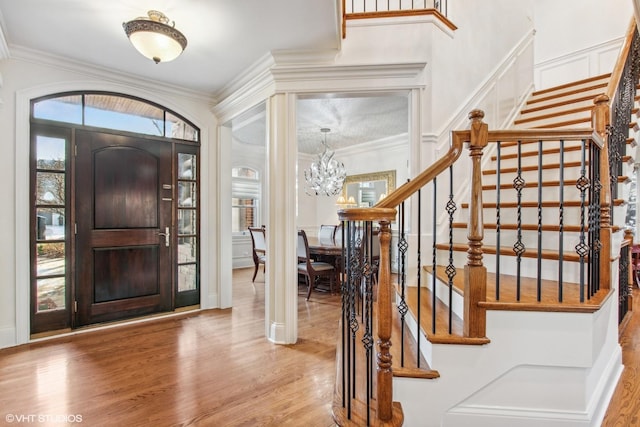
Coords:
115,210
123,209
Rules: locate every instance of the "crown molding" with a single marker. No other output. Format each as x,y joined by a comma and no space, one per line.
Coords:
281,72
22,53
4,47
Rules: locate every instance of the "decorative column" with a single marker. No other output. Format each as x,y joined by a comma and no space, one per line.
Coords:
281,278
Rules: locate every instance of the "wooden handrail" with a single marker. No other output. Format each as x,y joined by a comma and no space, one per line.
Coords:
616,74
407,189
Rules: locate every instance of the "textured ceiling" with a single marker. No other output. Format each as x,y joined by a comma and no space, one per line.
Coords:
353,120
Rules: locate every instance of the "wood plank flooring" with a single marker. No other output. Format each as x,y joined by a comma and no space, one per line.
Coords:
211,368
624,408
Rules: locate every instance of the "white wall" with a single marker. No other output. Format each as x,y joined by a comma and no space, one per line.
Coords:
577,39
22,79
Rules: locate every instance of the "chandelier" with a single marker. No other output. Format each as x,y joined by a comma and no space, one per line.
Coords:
326,175
155,38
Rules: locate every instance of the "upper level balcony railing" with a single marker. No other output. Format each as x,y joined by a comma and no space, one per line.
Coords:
365,9
368,6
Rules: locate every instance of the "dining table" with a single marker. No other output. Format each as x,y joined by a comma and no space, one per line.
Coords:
327,251
327,248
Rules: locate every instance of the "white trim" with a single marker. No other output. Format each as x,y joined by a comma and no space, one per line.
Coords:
7,337
4,47
588,57
416,19
22,144
106,75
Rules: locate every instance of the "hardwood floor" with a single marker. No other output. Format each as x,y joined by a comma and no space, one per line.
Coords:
212,368
624,408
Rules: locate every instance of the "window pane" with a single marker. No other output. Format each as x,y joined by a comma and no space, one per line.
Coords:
116,112
51,294
179,129
50,224
50,153
187,196
50,259
187,277
242,219
186,221
187,166
66,109
244,173
187,249
50,188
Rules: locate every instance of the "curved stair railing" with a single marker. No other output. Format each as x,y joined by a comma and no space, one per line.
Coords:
381,307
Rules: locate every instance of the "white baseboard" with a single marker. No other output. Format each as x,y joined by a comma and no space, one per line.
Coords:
7,337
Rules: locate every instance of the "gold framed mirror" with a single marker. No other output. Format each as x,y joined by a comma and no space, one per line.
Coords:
366,189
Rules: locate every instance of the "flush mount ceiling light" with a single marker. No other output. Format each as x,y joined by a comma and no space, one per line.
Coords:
155,38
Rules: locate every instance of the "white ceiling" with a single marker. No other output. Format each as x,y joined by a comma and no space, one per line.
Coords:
225,37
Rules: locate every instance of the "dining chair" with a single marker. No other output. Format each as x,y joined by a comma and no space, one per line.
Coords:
312,270
337,234
259,246
326,234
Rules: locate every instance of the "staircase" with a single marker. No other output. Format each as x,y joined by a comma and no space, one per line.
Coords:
515,319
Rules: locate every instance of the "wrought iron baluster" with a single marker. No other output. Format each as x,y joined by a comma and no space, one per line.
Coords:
434,254
561,223
597,189
451,270
518,247
366,286
402,254
582,249
623,287
419,267
498,176
539,260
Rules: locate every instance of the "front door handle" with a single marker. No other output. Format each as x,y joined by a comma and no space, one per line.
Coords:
167,236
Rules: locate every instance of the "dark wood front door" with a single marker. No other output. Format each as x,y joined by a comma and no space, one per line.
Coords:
124,228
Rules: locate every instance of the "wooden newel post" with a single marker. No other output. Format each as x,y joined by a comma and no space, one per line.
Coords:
601,119
475,278
384,373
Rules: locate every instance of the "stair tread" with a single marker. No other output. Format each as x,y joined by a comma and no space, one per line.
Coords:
545,204
528,293
555,183
441,335
577,99
535,117
532,168
568,255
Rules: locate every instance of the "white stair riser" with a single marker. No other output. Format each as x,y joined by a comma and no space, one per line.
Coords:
528,266
529,157
550,215
557,109
583,115
570,173
549,194
550,239
442,293
559,97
